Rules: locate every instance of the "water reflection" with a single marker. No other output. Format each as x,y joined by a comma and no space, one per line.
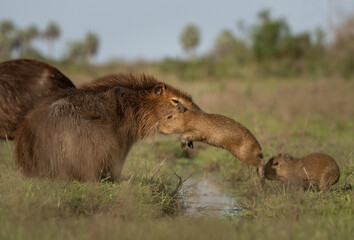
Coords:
208,196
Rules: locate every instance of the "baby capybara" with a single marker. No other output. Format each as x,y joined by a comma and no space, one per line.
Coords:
316,169
84,133
23,83
216,130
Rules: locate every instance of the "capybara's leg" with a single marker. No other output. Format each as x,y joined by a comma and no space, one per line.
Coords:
188,138
185,140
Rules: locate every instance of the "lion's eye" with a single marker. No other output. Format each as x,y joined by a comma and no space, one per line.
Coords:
275,164
175,101
169,117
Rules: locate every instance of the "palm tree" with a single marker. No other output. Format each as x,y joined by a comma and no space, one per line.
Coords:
190,38
6,27
51,33
7,35
5,47
76,51
225,43
91,43
28,35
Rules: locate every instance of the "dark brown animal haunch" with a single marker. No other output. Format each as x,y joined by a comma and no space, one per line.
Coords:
84,133
216,130
316,169
22,84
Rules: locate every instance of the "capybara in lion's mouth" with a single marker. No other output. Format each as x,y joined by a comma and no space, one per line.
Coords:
316,169
23,83
216,130
84,133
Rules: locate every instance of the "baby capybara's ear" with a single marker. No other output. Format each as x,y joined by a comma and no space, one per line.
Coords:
181,108
287,157
160,87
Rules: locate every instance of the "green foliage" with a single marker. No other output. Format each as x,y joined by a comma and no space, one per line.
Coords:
190,38
51,32
229,49
6,27
342,50
203,68
225,43
83,51
76,51
274,50
91,42
270,38
7,38
16,42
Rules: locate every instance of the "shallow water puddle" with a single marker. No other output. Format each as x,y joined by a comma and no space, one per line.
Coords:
208,197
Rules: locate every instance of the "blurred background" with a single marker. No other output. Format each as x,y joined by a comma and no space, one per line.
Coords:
304,36
283,69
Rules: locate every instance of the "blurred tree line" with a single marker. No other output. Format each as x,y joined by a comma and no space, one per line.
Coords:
271,48
265,47
18,43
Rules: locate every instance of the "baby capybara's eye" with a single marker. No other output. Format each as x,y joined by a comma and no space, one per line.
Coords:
169,117
275,164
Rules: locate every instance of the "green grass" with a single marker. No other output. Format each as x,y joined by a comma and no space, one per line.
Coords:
297,115
147,192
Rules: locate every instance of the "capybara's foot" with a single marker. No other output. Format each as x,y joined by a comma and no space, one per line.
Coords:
185,142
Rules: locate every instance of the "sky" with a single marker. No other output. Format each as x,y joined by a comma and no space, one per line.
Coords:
150,29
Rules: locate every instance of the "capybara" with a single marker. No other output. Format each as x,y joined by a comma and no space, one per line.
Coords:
316,169
87,132
216,130
173,96
23,83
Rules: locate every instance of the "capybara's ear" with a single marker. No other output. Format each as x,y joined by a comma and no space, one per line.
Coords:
287,157
160,87
279,155
181,108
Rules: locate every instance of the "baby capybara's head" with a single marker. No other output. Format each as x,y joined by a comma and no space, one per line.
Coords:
172,122
278,167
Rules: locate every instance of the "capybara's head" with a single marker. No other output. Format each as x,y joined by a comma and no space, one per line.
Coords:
150,98
278,167
173,121
173,96
162,96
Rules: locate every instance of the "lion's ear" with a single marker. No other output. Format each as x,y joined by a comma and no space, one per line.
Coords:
160,88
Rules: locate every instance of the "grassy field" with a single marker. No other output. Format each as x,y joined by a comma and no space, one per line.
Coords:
298,116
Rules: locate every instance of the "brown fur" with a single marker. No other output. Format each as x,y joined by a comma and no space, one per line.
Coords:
216,130
22,84
174,96
83,133
316,169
